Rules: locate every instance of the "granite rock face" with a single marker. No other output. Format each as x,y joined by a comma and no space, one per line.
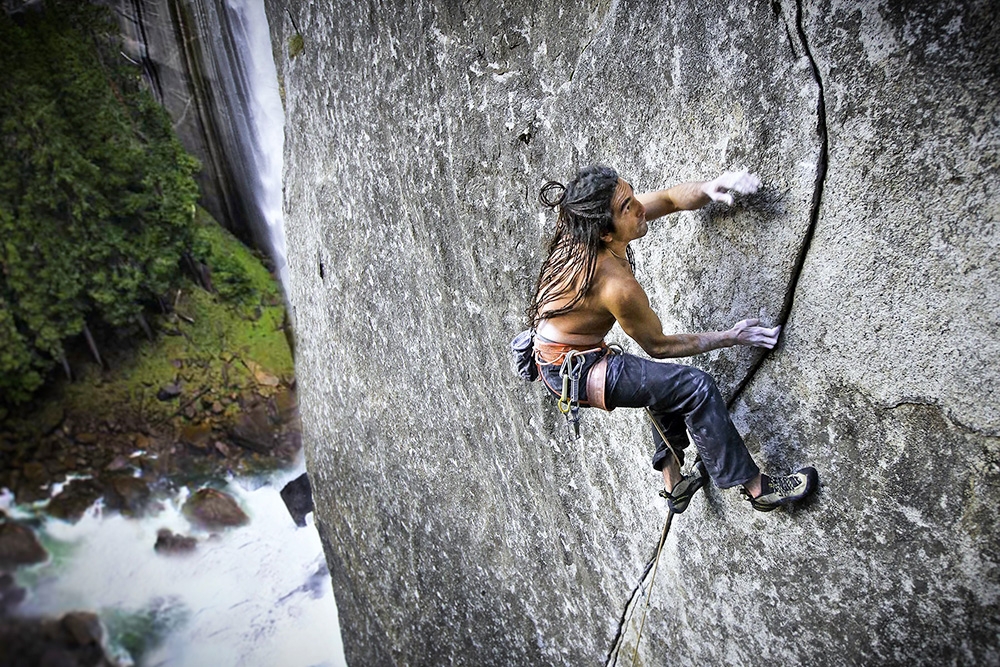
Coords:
460,522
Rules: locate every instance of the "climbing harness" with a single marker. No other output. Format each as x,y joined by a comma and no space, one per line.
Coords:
571,361
569,401
659,547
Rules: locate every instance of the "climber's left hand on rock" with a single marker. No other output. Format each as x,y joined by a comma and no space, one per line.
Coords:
749,332
732,181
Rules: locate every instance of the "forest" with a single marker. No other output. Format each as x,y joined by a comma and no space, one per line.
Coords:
97,198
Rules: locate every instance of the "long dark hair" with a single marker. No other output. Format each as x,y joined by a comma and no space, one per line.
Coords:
584,207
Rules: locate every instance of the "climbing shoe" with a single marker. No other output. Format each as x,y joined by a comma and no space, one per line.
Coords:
678,499
778,491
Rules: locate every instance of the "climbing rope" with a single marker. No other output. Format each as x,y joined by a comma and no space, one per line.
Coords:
659,547
652,578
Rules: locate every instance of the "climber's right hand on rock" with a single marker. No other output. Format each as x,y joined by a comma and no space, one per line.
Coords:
736,181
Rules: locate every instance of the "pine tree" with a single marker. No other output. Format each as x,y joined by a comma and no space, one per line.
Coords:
97,198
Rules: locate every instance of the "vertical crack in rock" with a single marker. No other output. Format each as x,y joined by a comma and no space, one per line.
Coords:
626,615
821,167
786,308
148,64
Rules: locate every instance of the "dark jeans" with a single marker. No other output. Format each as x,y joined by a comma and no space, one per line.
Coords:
683,400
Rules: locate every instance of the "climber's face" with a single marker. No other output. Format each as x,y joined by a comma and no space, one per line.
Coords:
628,215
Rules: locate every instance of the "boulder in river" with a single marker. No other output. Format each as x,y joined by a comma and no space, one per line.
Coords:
74,639
74,499
297,495
18,545
11,594
169,542
129,495
211,508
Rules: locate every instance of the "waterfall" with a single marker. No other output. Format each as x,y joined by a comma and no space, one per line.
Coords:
257,105
254,105
212,68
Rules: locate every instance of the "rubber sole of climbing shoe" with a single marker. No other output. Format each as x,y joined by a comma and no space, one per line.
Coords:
680,498
781,491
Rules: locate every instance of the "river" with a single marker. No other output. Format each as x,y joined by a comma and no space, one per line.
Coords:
259,594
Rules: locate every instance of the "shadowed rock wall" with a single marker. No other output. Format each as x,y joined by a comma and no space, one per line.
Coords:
460,523
190,55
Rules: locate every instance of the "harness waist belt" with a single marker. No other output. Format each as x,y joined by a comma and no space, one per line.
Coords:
596,381
550,352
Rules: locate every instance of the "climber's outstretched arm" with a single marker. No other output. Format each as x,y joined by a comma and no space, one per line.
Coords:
694,195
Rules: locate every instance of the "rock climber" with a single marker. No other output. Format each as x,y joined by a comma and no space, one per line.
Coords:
586,284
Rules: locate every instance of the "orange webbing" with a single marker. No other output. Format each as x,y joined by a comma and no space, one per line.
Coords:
554,353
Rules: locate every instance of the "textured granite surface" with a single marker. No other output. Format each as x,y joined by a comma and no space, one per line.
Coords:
461,525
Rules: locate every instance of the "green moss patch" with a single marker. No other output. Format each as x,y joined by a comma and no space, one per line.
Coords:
210,349
296,45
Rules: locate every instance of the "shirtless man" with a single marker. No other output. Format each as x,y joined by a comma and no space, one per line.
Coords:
587,284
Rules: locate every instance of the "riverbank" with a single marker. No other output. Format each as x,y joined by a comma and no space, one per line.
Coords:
210,392
156,452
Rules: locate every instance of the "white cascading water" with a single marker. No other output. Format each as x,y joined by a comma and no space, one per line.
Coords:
254,595
256,92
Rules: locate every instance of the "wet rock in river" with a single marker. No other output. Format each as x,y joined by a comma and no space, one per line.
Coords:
19,546
26,492
83,627
11,594
129,495
118,463
74,499
210,508
71,641
297,495
168,542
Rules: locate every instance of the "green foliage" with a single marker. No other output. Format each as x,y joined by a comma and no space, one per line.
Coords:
217,248
219,345
97,198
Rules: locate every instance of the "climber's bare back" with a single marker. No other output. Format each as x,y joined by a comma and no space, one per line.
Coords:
614,292
591,319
